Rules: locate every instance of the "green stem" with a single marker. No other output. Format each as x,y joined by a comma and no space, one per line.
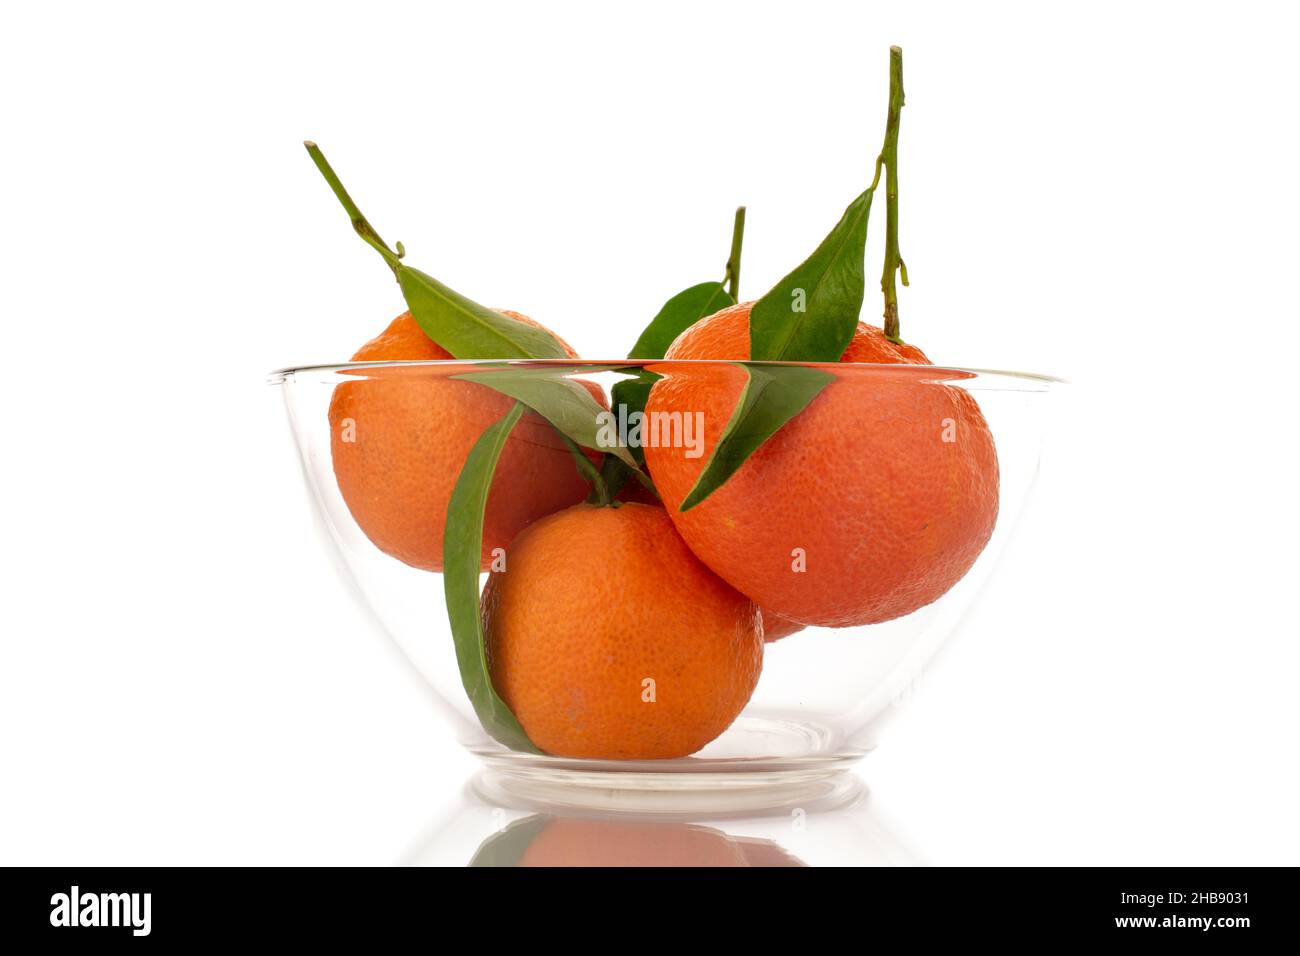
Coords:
359,223
614,474
889,157
733,261
600,491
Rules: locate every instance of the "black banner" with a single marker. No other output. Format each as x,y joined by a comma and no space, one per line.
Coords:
136,906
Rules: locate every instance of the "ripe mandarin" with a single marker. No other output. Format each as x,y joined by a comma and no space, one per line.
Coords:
400,436
607,638
870,503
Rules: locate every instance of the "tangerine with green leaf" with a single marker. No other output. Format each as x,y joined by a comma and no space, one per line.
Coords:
858,509
400,435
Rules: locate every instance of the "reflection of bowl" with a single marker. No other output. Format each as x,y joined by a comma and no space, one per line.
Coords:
824,692
500,820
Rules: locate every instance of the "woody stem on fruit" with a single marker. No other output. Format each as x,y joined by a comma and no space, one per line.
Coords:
889,159
733,260
359,222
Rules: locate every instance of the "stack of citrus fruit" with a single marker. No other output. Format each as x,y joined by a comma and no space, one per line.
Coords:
848,484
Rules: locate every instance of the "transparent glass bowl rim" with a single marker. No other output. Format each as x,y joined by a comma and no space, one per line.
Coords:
1021,381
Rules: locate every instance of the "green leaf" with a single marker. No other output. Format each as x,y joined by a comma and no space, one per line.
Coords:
771,397
468,330
829,285
809,316
677,315
462,551
632,393
461,326
563,402
616,475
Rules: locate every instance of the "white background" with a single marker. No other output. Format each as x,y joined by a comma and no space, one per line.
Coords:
1106,192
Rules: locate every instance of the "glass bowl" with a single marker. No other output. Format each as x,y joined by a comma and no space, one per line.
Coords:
824,692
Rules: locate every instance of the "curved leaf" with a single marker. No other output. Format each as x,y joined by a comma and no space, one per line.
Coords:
468,330
461,326
677,315
630,395
770,398
827,286
564,402
462,550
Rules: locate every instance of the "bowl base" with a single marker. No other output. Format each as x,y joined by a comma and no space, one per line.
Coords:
668,787
668,794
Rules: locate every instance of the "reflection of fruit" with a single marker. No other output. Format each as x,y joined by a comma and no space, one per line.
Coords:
573,841
607,638
872,502
760,852
398,444
542,841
